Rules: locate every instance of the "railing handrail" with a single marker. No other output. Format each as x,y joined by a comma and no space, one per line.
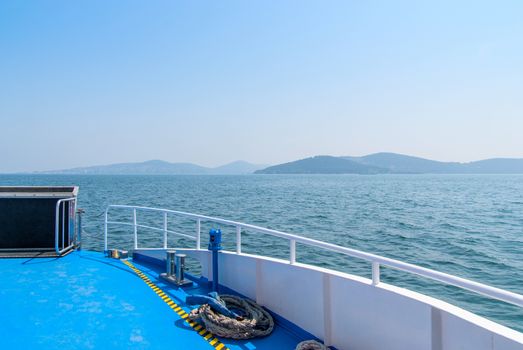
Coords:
376,260
57,226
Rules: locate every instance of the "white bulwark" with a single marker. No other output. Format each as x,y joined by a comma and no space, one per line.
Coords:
348,311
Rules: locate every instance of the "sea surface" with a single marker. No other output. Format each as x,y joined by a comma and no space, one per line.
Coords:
467,225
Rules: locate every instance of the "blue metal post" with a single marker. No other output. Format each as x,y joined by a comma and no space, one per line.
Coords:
215,245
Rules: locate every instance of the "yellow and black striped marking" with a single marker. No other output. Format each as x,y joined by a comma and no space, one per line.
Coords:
205,334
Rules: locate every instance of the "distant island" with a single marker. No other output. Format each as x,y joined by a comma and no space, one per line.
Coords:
392,163
377,163
160,167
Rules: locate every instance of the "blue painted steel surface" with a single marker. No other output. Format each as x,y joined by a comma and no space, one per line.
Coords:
87,301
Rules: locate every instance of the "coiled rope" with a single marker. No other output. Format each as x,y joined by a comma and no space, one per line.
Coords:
253,322
311,345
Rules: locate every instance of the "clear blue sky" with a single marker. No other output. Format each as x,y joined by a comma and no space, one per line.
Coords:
96,82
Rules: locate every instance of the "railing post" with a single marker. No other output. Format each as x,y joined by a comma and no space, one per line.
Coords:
63,225
292,251
238,240
375,273
165,230
56,227
198,229
135,230
72,214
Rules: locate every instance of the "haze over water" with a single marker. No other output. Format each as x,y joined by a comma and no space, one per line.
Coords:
467,225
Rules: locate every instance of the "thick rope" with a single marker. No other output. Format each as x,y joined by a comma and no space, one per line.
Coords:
310,345
254,321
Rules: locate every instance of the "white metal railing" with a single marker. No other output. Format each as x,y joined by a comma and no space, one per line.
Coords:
375,260
60,209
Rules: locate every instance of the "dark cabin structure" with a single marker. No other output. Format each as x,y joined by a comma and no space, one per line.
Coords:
37,221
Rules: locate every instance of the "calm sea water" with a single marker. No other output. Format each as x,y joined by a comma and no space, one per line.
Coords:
467,225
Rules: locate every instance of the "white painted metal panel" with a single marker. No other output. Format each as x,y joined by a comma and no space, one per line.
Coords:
369,317
294,293
459,334
238,273
503,343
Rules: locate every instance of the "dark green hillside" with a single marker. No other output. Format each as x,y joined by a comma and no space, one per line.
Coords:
399,163
322,165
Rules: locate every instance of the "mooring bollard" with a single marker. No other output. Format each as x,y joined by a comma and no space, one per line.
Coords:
170,263
174,269
180,266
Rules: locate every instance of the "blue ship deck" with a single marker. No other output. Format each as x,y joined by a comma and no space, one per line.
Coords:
87,301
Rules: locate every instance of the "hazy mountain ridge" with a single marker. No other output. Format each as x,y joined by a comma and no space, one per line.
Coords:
160,167
377,163
238,167
393,163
